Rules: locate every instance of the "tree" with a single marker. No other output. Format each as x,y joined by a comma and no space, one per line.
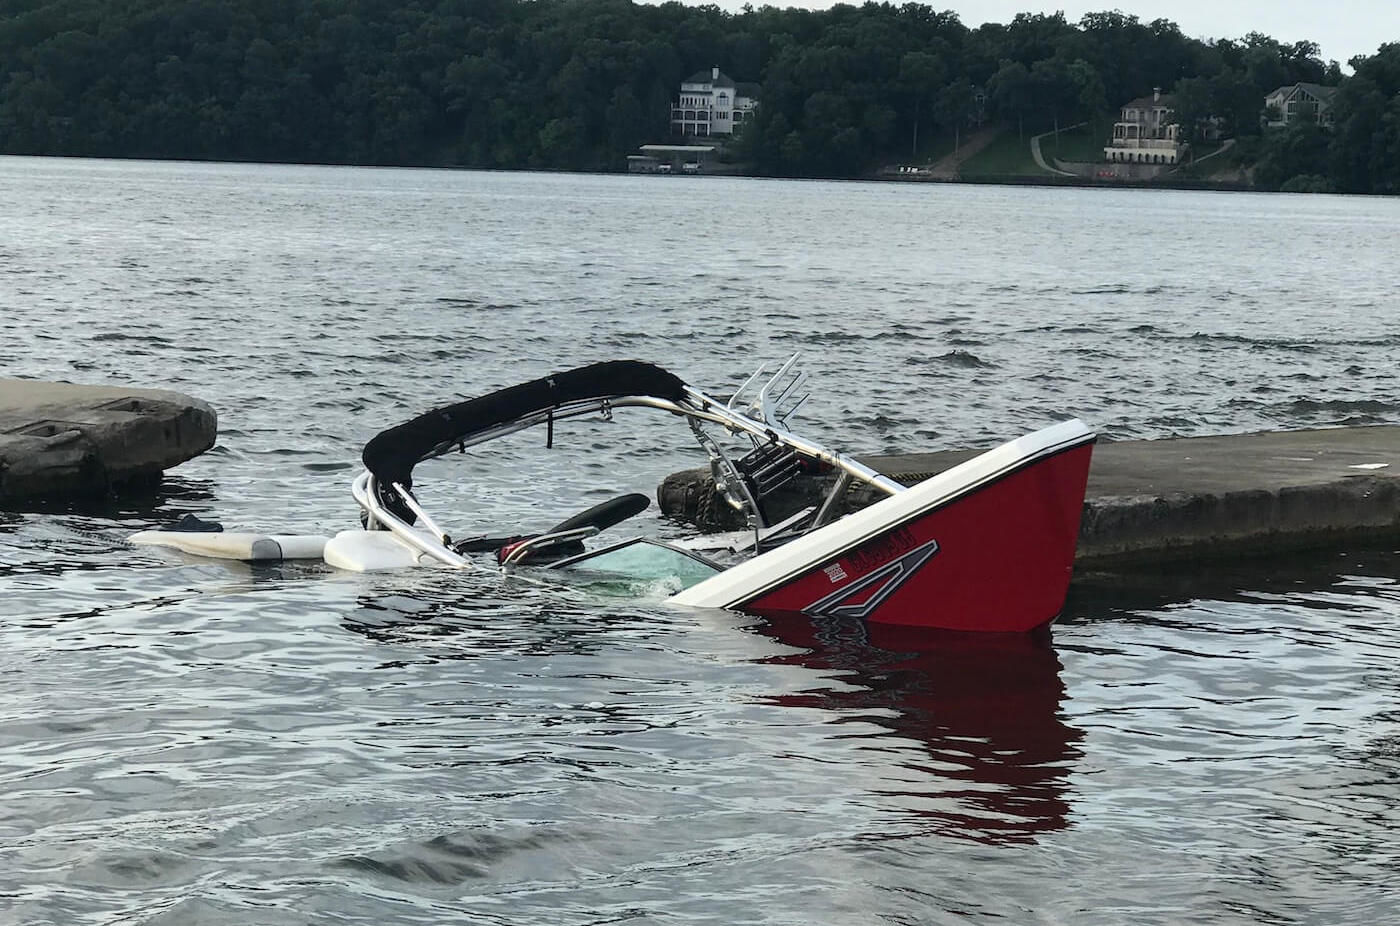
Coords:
1053,90
920,74
1299,149
1011,94
1365,148
1089,90
956,104
626,122
1193,107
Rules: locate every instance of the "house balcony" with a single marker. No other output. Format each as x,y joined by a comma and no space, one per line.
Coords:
681,127
1164,144
1145,151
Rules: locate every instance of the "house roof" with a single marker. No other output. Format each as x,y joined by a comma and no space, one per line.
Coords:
706,76
1319,92
1147,102
1316,91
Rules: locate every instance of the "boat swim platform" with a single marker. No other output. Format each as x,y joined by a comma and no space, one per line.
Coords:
63,442
1179,498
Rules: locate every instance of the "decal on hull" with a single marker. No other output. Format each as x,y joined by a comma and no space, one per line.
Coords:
861,598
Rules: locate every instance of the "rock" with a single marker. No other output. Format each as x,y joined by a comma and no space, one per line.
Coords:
60,441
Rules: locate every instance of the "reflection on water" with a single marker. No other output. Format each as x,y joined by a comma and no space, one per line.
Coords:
161,501
985,708
471,614
988,751
1110,593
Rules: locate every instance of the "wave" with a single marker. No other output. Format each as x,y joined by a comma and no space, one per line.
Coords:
1305,345
123,336
1347,406
961,359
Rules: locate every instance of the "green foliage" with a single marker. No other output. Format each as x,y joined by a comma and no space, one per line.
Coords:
1288,153
1308,183
1365,154
580,83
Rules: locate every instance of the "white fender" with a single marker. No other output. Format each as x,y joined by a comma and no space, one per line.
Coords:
372,551
236,545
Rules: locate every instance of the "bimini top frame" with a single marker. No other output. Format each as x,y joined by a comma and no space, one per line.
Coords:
384,493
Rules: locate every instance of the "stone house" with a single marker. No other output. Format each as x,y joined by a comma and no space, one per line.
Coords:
1147,132
711,103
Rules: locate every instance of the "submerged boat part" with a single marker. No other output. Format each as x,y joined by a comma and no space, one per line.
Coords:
250,547
987,545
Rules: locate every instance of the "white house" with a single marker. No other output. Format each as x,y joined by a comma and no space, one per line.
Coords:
1287,105
1147,132
711,103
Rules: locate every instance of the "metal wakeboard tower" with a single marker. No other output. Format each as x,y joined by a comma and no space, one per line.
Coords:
757,413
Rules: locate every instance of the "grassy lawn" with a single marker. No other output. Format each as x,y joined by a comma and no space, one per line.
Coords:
1085,143
1008,156
1229,166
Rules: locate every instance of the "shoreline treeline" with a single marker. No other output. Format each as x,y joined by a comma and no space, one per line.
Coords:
578,84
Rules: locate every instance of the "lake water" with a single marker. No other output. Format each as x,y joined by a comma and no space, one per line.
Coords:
191,742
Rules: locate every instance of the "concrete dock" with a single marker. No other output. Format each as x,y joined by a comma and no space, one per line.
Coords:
60,441
1177,499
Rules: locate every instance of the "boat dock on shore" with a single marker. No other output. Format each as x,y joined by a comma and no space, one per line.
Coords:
62,442
1150,500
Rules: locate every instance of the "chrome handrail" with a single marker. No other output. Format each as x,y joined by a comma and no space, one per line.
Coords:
365,493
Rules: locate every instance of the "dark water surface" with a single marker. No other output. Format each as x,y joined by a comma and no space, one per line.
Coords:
192,742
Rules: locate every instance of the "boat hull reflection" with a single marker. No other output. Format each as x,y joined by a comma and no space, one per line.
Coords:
994,753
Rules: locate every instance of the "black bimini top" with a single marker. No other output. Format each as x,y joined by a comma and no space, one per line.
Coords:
392,454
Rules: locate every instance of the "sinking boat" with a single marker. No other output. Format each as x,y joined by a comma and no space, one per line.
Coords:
987,545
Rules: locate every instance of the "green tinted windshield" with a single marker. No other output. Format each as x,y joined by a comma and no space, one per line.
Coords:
646,560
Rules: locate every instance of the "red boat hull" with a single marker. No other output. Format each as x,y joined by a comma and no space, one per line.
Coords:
997,558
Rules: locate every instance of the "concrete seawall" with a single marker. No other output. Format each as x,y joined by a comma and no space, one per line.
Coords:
60,441
1150,500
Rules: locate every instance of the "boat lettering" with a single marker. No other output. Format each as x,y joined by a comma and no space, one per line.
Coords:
882,549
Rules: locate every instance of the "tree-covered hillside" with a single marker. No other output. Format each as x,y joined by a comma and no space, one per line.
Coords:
580,83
